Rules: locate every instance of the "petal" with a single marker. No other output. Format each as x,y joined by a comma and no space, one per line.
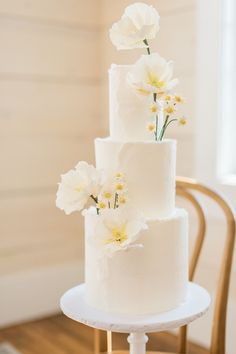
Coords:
139,22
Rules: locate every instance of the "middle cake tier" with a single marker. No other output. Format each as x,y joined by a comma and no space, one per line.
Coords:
148,168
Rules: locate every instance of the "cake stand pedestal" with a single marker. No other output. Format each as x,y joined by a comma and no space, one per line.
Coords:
73,305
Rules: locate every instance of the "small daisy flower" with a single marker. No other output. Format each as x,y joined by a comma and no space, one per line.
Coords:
179,99
170,109
151,127
119,175
168,98
107,195
119,187
101,205
182,121
154,107
122,199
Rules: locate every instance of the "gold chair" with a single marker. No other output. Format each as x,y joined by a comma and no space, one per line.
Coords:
184,188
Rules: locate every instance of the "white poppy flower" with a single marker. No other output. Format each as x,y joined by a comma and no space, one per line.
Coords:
140,22
118,229
77,186
152,74
92,176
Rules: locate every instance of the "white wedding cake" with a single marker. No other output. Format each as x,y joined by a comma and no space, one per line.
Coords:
136,240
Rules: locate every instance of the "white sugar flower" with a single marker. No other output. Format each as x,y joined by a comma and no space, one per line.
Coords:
140,22
92,177
77,186
118,229
152,74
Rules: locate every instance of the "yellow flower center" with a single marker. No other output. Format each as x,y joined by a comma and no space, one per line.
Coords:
107,195
169,109
118,175
151,127
119,187
119,235
154,108
79,189
154,81
168,98
122,200
101,205
179,99
182,121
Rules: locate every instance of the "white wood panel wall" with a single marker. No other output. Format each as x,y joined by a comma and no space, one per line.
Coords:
49,115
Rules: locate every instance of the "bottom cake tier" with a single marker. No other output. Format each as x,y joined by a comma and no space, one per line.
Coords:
144,280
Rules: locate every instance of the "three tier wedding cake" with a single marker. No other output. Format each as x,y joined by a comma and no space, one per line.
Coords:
136,249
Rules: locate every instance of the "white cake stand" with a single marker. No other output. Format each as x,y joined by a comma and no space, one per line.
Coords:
73,305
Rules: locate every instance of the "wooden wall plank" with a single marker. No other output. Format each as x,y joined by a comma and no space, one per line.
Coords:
65,11
49,115
34,233
58,252
37,162
112,13
35,217
48,109
176,41
167,8
42,50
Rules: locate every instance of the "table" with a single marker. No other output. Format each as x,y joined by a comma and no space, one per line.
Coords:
73,305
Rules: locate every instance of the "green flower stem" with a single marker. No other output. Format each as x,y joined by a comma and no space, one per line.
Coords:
148,48
116,200
109,204
172,120
155,99
95,199
166,126
155,133
163,128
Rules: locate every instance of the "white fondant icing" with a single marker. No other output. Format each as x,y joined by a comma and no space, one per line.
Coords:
149,169
129,111
143,280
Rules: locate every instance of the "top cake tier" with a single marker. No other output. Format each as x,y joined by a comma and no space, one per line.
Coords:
128,110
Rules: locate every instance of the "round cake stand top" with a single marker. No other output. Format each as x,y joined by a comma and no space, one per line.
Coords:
74,306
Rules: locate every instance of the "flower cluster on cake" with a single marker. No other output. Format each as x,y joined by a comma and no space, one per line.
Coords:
136,258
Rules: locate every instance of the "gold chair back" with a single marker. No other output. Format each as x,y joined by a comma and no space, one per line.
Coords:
185,187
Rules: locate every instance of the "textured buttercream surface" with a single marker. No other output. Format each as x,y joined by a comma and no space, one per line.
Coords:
143,280
149,169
